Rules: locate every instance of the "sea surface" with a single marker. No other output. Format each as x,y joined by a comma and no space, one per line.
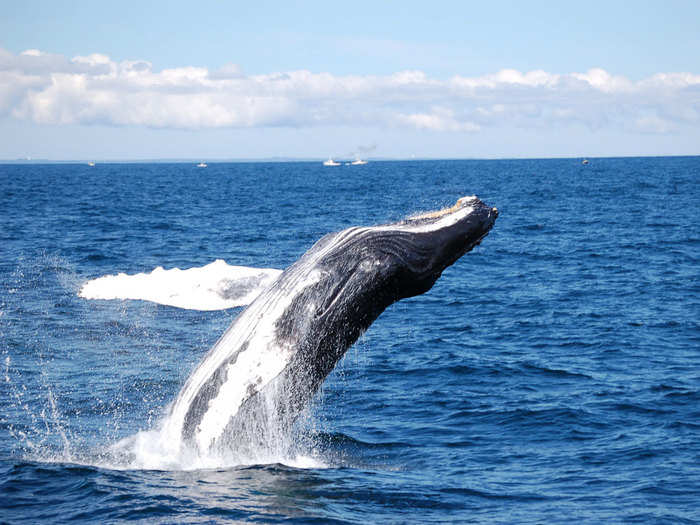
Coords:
550,375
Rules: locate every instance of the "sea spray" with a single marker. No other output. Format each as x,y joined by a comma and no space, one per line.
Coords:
263,443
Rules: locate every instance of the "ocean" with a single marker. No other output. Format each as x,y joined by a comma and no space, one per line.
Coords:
552,374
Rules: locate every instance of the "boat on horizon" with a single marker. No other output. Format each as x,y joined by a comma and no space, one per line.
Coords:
358,162
202,165
331,162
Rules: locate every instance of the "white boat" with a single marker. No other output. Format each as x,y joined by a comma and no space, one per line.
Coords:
202,165
331,162
358,162
91,163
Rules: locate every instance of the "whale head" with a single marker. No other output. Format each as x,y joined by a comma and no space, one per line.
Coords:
362,270
435,240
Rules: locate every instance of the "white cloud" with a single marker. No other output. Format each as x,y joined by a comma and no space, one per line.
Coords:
652,124
227,71
439,119
507,77
604,81
93,89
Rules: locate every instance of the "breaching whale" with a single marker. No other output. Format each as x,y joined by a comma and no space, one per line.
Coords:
271,360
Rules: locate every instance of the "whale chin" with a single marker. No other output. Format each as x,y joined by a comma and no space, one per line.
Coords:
265,368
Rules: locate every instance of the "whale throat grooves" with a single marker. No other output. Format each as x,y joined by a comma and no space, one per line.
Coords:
258,377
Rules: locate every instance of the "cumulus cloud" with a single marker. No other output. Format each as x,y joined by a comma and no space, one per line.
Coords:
93,89
438,119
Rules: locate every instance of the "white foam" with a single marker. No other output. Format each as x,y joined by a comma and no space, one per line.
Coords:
216,286
149,450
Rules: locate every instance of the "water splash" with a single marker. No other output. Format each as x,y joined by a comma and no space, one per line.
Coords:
155,450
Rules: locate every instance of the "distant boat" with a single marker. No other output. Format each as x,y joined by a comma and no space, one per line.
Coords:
202,165
585,161
91,163
331,162
358,162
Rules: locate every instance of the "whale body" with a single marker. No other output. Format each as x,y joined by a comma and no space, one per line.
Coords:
273,357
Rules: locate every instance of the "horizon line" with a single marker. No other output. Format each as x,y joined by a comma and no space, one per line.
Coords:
223,160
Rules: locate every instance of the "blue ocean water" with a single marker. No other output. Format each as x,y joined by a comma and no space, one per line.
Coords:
551,374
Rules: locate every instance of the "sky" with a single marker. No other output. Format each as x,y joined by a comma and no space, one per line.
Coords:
401,79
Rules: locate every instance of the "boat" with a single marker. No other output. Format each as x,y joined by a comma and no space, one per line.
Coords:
331,162
91,163
358,162
585,161
202,165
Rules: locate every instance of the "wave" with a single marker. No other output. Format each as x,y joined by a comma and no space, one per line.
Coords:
215,286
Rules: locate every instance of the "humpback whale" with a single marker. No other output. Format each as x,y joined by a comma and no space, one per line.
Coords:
274,356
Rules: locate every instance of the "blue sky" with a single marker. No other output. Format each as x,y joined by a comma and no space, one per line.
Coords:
216,79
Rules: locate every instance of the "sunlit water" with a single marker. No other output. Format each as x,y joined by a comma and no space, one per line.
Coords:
551,373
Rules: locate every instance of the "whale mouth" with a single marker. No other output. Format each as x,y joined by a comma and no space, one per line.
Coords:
462,202
466,210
